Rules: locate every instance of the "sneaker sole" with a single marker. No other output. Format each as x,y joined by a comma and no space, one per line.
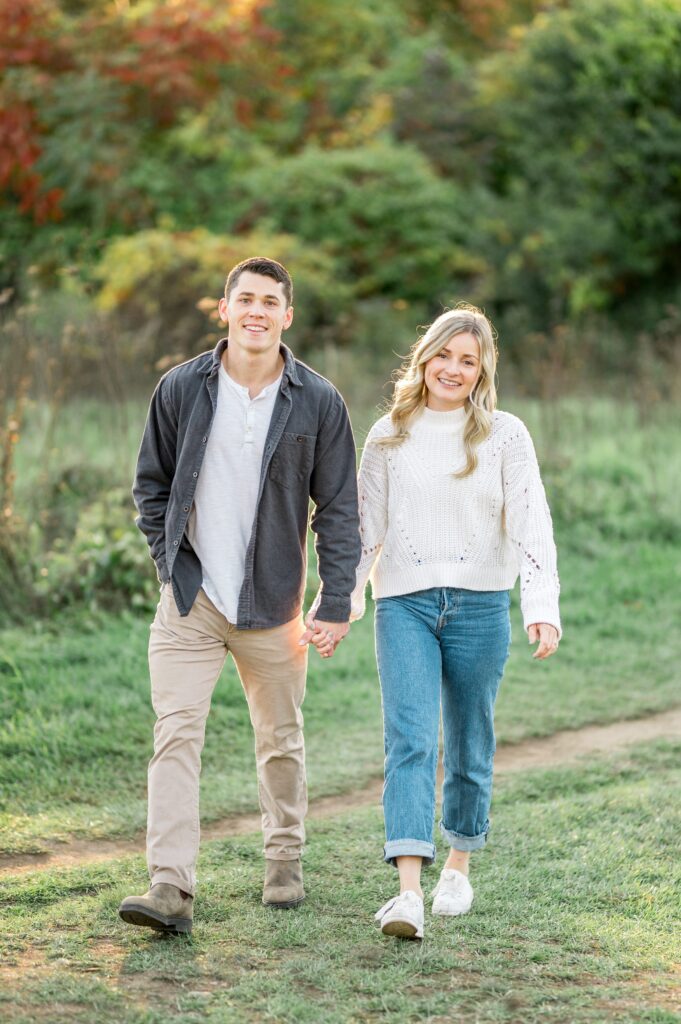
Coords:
450,913
401,930
145,918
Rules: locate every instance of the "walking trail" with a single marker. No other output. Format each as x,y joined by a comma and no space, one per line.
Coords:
560,748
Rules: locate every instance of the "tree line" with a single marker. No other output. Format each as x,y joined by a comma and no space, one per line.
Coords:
399,154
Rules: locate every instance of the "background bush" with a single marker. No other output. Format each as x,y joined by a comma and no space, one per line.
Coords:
521,155
398,157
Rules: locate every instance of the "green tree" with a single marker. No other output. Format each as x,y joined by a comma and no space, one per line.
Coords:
587,171
97,106
394,227
161,289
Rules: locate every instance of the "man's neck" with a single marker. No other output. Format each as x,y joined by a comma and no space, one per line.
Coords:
253,372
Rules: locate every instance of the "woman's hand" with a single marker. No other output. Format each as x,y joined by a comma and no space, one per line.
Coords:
547,638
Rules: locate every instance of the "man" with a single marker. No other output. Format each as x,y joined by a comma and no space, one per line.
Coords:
236,443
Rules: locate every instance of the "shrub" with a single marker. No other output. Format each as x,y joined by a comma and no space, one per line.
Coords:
162,288
105,564
395,228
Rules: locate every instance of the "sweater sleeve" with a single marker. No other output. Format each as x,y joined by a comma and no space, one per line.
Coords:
530,530
373,514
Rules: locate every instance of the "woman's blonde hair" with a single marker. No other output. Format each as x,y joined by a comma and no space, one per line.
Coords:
411,393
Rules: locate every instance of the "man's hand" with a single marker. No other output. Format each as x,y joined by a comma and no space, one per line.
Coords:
325,636
547,638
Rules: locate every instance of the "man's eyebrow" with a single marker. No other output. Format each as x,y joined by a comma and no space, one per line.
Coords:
250,295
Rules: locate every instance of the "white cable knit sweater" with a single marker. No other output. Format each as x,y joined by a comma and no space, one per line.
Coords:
421,527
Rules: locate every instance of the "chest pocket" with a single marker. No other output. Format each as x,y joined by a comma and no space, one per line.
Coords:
292,462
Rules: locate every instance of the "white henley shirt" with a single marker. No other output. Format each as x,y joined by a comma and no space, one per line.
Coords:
221,520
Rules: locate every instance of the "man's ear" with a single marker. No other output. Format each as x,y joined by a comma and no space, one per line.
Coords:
288,318
222,309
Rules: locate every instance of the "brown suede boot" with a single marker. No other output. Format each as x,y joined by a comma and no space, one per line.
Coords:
283,884
163,908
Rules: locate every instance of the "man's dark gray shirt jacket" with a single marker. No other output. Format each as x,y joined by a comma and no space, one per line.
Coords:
309,453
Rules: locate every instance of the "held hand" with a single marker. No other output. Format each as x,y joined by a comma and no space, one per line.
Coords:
325,636
547,638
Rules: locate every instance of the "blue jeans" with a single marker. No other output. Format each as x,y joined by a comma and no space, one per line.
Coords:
443,646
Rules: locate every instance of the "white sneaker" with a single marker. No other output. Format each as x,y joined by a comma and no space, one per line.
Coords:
402,916
453,894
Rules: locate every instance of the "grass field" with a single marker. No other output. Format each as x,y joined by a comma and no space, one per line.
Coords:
577,912
77,725
575,920
76,721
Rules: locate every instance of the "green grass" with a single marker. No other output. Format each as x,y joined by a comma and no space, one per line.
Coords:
76,727
577,893
76,720
574,922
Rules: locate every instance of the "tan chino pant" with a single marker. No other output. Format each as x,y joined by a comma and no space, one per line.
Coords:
186,656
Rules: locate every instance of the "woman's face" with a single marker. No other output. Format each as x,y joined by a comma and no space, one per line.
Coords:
451,375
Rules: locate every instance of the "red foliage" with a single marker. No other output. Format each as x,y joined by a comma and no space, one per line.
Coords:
19,150
177,56
173,57
28,37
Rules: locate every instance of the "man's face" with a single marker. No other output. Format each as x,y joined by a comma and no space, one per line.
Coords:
257,313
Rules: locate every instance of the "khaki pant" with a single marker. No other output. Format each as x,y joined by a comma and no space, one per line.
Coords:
186,656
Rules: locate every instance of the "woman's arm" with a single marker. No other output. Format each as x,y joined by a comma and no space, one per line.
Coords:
373,515
530,530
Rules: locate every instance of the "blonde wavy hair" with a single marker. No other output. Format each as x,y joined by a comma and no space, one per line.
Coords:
411,393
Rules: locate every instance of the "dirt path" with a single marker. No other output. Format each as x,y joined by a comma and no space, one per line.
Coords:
560,748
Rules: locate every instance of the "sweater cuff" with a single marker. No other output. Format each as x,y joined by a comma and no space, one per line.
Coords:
541,608
357,604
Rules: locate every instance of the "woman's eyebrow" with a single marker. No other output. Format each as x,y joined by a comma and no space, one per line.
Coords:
465,355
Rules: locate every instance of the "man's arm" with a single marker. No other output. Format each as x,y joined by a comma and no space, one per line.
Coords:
154,477
335,521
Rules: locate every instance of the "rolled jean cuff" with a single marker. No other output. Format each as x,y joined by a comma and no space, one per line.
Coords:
457,841
409,848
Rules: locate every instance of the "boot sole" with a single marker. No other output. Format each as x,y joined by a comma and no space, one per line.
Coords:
146,918
287,905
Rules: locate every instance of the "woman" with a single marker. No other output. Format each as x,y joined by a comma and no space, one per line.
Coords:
452,511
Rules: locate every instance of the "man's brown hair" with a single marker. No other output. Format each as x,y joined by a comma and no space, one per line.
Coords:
266,267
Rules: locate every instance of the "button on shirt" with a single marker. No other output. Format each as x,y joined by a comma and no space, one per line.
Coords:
220,524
